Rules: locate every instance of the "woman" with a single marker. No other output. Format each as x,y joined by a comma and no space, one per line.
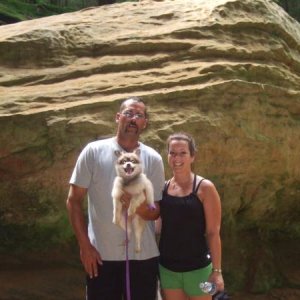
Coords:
190,245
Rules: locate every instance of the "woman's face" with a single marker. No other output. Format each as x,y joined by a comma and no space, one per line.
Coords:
179,157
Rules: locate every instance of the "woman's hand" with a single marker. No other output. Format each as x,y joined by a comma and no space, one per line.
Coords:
217,278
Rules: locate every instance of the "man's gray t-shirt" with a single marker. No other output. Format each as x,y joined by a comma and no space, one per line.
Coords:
95,170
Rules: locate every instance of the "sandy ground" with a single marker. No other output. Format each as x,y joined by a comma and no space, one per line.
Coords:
46,283
47,280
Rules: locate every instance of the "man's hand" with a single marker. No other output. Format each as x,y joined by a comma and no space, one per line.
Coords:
90,259
144,210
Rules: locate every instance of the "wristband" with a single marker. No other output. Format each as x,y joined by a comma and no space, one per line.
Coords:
217,270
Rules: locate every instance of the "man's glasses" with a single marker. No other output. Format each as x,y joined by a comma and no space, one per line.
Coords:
131,115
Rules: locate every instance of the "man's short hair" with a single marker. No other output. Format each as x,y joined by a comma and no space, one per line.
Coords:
134,99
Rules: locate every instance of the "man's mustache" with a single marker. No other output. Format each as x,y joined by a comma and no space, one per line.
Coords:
132,124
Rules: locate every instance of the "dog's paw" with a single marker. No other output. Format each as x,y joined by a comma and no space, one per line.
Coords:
130,212
116,219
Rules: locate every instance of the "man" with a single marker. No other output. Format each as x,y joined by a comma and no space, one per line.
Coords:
102,242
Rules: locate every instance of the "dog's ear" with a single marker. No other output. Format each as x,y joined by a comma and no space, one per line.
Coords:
118,153
137,151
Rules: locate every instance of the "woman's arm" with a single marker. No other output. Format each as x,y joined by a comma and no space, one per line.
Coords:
212,210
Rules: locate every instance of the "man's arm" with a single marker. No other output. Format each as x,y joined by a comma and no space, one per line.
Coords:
157,178
148,213
145,211
88,254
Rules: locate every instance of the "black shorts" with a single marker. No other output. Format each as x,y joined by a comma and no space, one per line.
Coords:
111,281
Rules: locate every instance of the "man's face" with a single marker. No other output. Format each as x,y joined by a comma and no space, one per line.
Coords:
132,119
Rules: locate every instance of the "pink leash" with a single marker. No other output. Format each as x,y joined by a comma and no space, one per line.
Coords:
128,296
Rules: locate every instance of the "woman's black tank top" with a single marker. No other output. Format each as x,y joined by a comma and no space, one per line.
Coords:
182,242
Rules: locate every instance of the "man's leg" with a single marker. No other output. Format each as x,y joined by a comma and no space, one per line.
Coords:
108,284
143,279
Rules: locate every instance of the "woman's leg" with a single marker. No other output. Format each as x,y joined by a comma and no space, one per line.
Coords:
191,281
171,285
206,297
176,294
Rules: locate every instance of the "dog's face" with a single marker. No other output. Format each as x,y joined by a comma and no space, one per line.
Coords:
128,164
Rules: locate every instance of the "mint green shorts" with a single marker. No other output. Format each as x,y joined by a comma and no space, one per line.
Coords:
186,281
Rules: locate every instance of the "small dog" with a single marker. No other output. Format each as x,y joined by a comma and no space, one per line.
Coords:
131,179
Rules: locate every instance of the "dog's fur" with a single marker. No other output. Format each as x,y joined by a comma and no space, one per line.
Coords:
131,179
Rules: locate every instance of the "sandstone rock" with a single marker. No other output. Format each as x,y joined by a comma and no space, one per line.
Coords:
227,71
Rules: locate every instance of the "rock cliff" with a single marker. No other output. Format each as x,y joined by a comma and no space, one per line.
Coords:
227,71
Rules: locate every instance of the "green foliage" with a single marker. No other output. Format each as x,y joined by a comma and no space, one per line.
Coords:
32,217
38,235
292,7
18,10
12,11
